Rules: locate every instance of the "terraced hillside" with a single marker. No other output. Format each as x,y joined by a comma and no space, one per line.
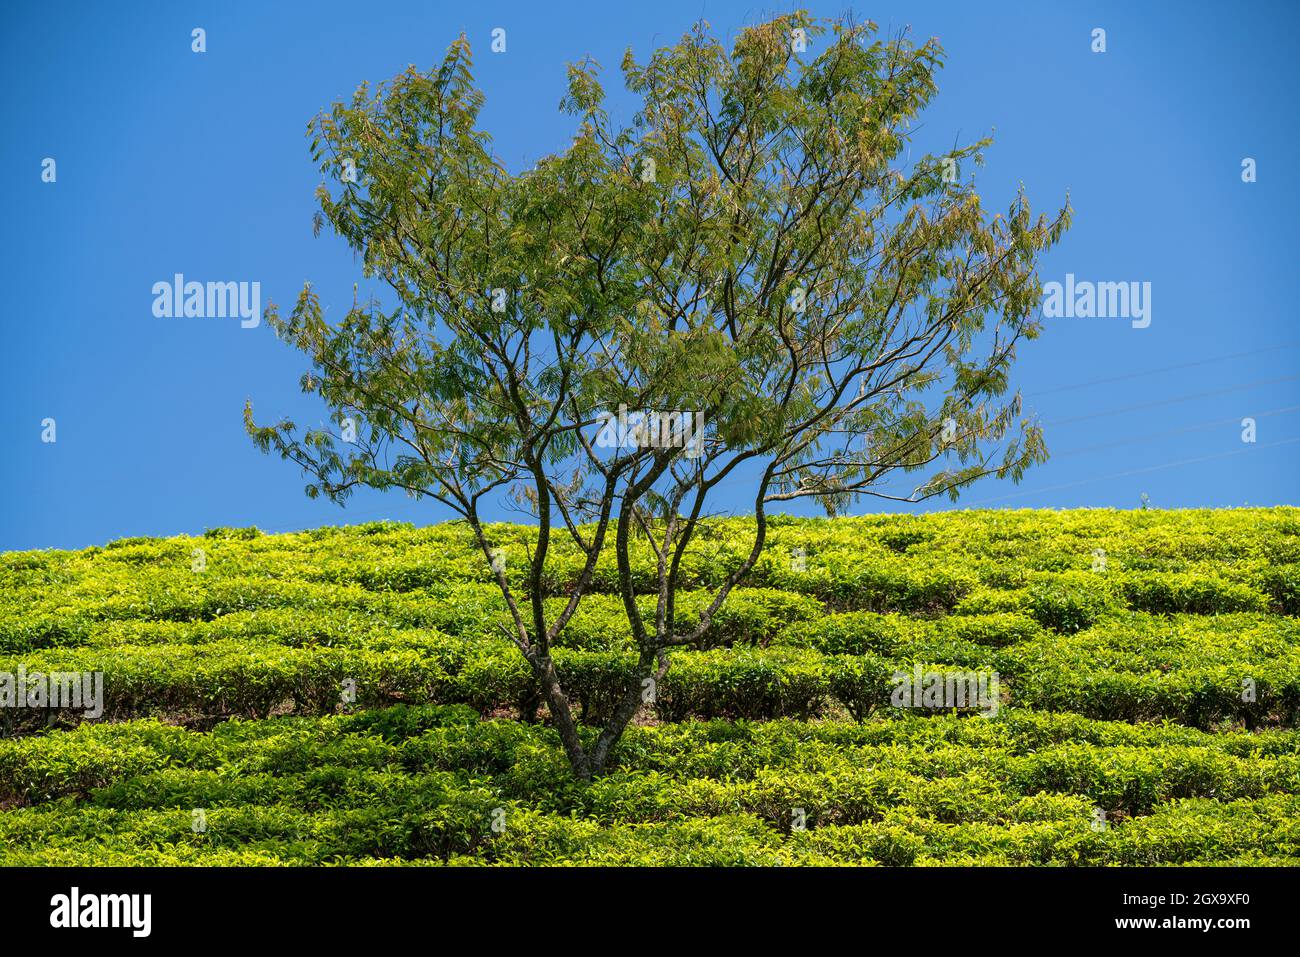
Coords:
345,695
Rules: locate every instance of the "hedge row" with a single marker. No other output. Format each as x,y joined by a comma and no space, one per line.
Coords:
1066,570
1198,671
1130,768
1194,833
227,678
1195,670
427,785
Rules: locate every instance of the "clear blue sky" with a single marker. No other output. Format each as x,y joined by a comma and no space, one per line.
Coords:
170,161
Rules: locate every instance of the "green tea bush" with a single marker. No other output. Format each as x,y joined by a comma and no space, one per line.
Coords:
348,696
1282,585
1070,602
1193,594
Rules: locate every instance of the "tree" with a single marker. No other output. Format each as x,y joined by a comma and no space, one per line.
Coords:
751,265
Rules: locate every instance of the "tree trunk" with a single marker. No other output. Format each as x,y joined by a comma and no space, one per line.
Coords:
623,713
562,716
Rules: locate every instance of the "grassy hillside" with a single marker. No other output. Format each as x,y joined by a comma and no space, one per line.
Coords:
345,695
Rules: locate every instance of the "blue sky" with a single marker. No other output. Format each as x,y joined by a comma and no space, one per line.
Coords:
171,162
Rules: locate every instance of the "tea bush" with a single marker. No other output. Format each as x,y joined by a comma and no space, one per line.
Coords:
347,696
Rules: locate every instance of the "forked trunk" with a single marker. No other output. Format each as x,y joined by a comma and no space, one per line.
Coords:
562,717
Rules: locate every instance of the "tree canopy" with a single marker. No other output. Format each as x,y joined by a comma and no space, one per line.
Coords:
753,268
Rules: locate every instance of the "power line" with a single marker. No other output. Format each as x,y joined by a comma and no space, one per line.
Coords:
1001,498
1161,435
1172,368
371,514
1141,471
1172,401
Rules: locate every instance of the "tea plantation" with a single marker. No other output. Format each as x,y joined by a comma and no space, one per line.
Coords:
346,696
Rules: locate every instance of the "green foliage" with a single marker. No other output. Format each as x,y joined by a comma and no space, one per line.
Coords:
422,785
755,265
1124,690
1070,602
